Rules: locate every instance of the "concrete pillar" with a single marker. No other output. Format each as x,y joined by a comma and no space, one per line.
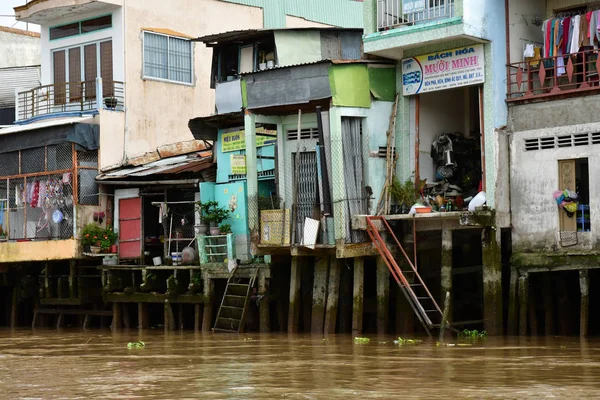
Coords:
446,270
116,321
513,305
345,302
263,308
333,295
523,298
252,177
209,293
295,295
584,285
143,322
492,281
357,305
319,294
383,295
548,305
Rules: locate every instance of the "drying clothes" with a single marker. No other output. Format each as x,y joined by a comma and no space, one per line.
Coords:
593,28
575,22
566,25
35,195
42,195
66,178
529,51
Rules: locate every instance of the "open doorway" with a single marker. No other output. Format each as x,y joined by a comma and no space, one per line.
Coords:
449,155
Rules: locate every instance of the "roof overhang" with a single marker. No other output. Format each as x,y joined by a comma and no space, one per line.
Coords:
207,128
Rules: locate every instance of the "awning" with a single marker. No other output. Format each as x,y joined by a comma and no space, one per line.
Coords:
44,133
207,128
195,164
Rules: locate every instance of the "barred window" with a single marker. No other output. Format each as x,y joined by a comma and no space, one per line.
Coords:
168,58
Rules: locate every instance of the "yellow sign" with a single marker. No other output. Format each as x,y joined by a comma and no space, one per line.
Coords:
238,164
234,141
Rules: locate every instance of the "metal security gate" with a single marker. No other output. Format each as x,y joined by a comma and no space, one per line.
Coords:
130,228
307,189
357,198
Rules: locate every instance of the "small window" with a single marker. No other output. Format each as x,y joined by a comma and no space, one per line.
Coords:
96,24
63,31
167,57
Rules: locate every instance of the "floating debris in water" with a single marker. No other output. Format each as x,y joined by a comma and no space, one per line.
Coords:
401,340
361,340
136,345
472,334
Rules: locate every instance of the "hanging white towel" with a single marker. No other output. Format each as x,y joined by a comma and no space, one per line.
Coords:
529,52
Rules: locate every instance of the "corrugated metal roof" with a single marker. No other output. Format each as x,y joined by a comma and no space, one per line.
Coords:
249,34
22,78
45,124
195,162
321,62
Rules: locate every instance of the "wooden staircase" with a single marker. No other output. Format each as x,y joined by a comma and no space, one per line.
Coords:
414,289
232,311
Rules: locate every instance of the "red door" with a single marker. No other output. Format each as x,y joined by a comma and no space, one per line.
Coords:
130,228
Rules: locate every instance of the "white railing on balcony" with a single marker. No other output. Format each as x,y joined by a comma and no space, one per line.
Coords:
68,97
396,13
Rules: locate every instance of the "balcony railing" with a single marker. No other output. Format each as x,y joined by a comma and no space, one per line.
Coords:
396,13
70,96
554,76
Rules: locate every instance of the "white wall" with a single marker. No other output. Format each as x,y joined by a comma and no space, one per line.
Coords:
521,28
534,178
18,48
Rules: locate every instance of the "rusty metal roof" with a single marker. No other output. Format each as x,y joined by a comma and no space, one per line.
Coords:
189,163
250,34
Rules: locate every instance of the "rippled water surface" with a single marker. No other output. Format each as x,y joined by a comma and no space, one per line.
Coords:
50,364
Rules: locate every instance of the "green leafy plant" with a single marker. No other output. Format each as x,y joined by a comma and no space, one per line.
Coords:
361,340
401,340
403,193
473,334
136,345
91,234
212,213
225,228
107,239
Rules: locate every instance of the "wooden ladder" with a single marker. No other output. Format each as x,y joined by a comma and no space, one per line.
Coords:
232,311
414,289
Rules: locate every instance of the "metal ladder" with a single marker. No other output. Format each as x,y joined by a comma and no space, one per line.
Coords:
232,311
418,295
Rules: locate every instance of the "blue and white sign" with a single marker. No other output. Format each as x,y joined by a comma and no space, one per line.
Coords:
443,70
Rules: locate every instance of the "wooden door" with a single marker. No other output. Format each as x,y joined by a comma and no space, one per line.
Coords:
130,228
566,180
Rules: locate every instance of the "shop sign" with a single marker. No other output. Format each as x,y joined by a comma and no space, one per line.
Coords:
234,141
238,164
410,6
443,70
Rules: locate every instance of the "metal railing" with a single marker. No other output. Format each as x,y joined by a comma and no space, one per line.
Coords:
552,76
396,13
70,96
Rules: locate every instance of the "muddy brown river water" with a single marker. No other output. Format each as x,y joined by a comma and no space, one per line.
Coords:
50,364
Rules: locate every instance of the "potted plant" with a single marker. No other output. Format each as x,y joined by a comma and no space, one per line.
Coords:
262,62
225,229
404,194
111,102
214,215
107,239
90,237
201,227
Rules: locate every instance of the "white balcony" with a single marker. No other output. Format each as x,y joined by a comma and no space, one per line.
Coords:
43,11
396,13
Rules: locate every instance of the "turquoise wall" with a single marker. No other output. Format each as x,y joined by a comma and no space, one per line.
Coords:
343,13
231,196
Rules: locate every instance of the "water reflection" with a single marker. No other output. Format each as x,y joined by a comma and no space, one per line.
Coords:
68,364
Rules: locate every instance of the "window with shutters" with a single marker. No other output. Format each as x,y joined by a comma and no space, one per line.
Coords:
81,27
76,68
167,58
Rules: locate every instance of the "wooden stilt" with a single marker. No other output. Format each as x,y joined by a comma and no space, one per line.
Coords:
14,307
125,312
523,298
333,295
319,294
263,308
116,319
513,305
180,316
295,295
548,305
209,291
383,295
584,309
532,312
143,322
345,302
197,317
357,305
446,270
169,317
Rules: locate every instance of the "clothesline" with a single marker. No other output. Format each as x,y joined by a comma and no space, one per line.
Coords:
567,35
